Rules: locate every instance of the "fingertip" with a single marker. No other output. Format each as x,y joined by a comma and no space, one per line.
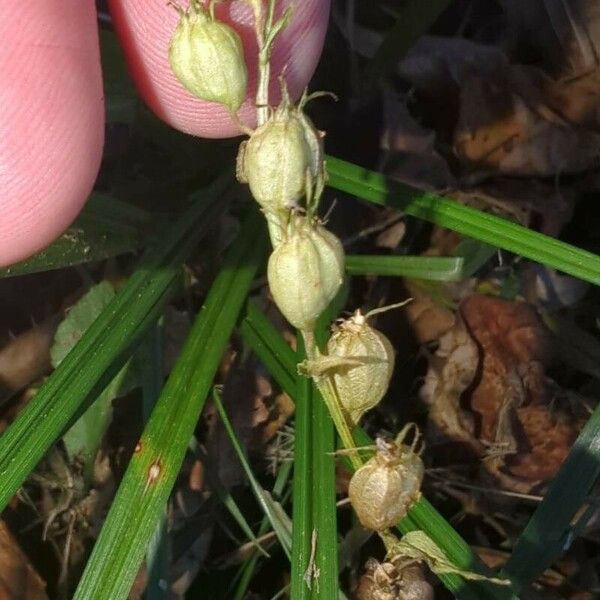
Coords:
145,28
51,122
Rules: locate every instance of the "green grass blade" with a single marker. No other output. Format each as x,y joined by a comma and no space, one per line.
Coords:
249,567
303,490
413,267
487,228
324,505
422,516
315,553
104,347
224,495
279,521
549,532
474,254
273,344
143,493
324,509
106,227
148,359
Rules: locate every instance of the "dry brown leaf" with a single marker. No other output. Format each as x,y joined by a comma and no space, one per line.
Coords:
428,320
196,476
15,406
518,121
391,236
26,357
489,370
451,371
281,410
508,119
564,34
94,507
515,348
18,579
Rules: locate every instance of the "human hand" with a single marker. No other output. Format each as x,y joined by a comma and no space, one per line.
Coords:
52,108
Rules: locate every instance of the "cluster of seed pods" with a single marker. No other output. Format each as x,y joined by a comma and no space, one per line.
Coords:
282,162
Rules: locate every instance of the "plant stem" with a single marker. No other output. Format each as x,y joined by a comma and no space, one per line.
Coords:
263,25
265,33
276,228
262,89
330,397
390,541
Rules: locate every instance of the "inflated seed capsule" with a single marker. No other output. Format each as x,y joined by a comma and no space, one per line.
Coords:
305,271
208,59
280,158
386,486
378,582
398,580
360,386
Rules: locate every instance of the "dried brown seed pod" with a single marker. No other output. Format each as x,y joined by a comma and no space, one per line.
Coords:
364,380
393,581
386,486
207,57
305,271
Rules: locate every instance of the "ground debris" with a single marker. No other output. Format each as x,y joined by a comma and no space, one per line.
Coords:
18,579
487,389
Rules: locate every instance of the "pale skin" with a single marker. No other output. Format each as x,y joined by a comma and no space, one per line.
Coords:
52,106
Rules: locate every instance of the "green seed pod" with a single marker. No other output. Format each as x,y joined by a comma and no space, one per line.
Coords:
305,271
281,159
364,380
386,486
208,59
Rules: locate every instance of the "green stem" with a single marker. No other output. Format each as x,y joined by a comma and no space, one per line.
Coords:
330,397
262,90
276,228
264,36
263,25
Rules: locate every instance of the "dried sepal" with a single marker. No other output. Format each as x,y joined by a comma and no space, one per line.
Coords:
387,485
400,580
418,546
305,271
207,57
